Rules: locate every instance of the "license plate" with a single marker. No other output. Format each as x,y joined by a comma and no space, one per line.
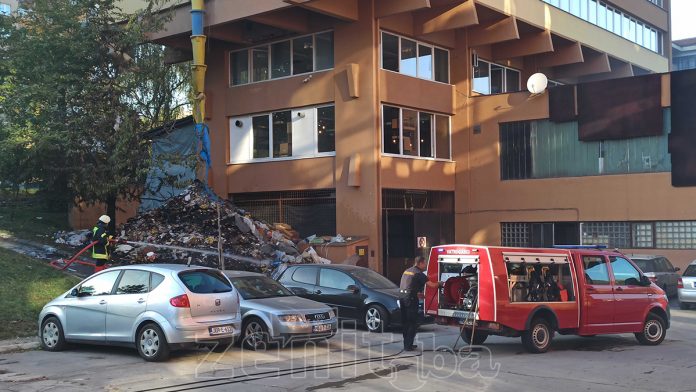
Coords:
321,328
220,330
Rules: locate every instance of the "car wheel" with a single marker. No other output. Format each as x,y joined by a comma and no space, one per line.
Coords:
479,337
255,334
152,344
52,337
376,318
653,332
537,339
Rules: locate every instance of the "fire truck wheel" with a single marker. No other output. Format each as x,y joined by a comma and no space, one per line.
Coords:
537,339
653,332
479,337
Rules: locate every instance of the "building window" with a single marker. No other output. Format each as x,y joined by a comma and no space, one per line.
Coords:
326,129
298,133
414,58
675,235
515,151
297,56
492,78
642,235
615,21
5,9
610,234
408,132
515,234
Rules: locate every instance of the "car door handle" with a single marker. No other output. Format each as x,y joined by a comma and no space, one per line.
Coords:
650,294
141,300
619,288
102,302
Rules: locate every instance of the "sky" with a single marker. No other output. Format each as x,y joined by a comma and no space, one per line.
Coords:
683,15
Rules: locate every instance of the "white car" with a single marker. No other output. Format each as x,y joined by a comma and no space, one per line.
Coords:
686,289
154,308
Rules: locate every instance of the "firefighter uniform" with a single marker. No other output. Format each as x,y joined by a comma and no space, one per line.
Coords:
100,250
413,282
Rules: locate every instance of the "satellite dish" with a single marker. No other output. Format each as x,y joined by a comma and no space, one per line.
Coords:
537,83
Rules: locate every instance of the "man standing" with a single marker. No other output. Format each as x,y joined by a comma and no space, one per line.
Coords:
413,282
100,250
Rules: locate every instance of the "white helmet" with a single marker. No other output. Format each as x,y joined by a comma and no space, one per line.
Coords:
105,219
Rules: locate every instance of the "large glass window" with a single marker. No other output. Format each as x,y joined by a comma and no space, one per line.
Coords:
411,133
390,130
282,134
259,60
408,64
324,51
261,136
482,81
302,55
280,59
240,67
596,272
326,129
492,78
413,58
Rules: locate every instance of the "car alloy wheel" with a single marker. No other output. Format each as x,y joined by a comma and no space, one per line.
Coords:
149,342
255,335
51,334
373,319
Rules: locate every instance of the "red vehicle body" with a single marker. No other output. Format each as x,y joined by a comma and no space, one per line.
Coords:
534,293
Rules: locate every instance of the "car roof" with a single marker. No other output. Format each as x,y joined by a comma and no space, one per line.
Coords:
344,267
237,274
643,257
162,268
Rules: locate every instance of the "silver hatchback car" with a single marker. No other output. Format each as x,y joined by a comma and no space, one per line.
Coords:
273,314
156,308
687,287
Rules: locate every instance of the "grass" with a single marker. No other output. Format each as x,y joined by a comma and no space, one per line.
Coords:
27,285
27,217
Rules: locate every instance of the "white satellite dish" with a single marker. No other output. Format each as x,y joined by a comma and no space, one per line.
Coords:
537,83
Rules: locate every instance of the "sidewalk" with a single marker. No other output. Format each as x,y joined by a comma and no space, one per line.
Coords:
19,344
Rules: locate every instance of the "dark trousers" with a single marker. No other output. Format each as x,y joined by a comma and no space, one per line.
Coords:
409,320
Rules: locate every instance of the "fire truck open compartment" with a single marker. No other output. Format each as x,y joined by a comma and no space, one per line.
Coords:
460,275
539,277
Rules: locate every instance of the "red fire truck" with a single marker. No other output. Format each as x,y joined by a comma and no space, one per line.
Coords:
533,293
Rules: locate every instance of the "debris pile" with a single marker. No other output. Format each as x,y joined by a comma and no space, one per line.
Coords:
185,229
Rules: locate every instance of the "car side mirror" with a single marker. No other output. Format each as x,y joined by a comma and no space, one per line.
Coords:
632,282
74,293
353,288
644,281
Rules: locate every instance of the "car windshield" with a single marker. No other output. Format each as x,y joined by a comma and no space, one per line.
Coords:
372,280
690,271
257,287
205,281
645,265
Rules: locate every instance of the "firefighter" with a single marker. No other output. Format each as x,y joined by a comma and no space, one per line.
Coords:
100,250
413,282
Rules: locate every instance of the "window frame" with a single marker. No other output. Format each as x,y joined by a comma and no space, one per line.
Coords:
505,70
270,158
433,130
418,44
269,45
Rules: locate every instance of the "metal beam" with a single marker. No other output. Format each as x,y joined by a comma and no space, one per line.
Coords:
493,33
527,45
562,55
594,63
385,8
448,18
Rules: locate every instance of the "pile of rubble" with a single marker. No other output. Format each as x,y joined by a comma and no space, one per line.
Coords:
185,229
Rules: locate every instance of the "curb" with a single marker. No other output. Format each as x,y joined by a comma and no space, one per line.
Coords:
19,344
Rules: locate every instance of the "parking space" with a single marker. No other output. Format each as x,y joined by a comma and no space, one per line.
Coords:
359,360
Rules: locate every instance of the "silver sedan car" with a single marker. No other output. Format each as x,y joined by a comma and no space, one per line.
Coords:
155,308
273,314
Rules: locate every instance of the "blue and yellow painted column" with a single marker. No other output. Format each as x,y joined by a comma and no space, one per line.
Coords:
198,68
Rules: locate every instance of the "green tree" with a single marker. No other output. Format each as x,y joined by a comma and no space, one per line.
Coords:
79,90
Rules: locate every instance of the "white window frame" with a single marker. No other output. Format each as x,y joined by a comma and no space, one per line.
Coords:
250,62
432,61
270,158
433,131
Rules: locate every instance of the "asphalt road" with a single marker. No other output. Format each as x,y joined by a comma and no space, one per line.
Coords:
356,360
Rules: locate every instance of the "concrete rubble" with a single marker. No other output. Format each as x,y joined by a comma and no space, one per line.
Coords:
189,222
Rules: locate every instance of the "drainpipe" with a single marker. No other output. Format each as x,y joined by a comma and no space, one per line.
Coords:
198,69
